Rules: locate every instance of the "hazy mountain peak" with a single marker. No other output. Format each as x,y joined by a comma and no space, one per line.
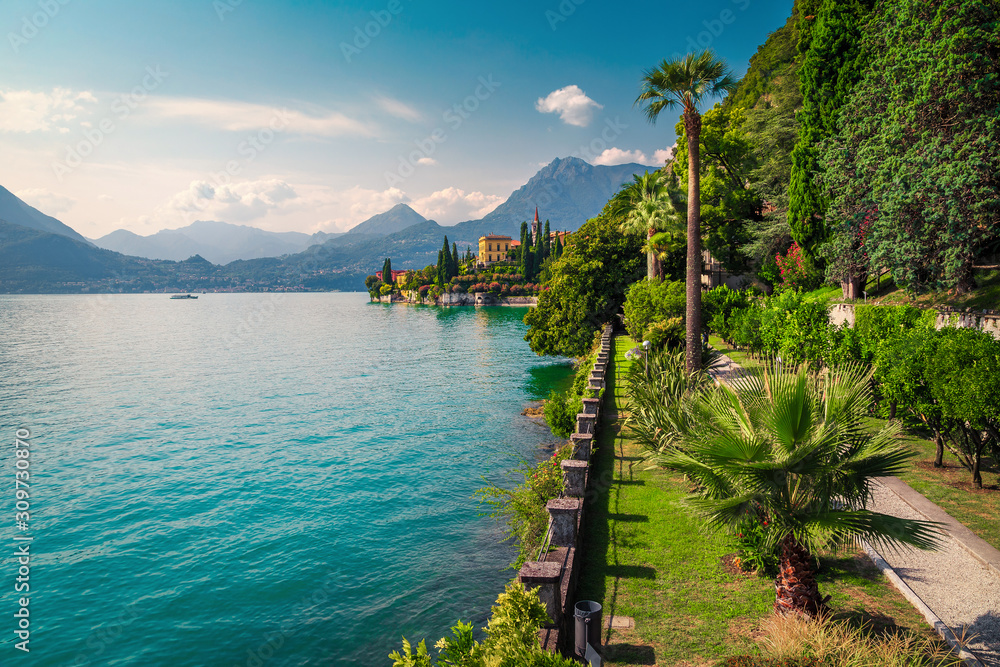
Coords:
15,211
396,219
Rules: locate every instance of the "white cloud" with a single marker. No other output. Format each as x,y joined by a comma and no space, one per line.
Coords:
244,116
427,161
273,203
30,111
398,109
572,105
238,202
453,205
45,201
357,204
614,155
664,155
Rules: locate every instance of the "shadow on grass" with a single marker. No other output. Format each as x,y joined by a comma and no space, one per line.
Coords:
629,518
633,654
630,571
599,557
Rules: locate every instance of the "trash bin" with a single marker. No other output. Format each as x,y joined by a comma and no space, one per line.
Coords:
587,621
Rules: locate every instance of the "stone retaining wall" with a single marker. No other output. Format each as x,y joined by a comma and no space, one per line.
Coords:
556,574
462,299
986,320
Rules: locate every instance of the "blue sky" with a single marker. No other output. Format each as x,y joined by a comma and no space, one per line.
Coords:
309,116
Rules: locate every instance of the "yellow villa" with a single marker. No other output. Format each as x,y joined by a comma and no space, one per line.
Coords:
493,248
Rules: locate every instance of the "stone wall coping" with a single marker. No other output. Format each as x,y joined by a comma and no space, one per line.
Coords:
563,505
534,572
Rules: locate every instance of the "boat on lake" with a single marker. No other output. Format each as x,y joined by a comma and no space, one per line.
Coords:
183,296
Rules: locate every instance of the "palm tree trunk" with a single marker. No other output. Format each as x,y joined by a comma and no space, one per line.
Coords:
795,586
692,127
651,262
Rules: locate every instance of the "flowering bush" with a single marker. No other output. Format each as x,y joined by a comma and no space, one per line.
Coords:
494,287
795,270
505,290
752,542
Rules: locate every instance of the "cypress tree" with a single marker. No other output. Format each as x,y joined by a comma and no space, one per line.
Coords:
547,240
559,247
539,253
387,271
832,65
441,268
447,259
454,259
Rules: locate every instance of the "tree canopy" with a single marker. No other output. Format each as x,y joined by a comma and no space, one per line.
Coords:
916,150
587,287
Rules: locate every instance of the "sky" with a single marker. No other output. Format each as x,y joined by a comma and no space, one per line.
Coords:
313,116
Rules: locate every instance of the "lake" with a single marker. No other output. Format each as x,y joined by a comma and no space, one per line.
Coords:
257,479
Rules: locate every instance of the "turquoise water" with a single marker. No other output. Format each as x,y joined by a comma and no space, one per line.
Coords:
257,479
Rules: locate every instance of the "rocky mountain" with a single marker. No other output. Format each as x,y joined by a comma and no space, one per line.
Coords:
567,191
16,212
396,219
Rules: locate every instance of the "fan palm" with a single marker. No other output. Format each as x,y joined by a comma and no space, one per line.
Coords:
649,205
685,82
792,449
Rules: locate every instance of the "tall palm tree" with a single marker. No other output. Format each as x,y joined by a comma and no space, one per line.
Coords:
686,82
791,449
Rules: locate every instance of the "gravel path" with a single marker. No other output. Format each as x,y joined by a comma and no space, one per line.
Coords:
958,588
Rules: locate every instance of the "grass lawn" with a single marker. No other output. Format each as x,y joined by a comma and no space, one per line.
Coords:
647,557
739,356
986,294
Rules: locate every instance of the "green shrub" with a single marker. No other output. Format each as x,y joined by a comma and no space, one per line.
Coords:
584,365
876,325
521,509
511,638
561,410
651,301
666,334
719,305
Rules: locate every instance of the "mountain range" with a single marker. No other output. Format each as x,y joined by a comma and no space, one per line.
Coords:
41,254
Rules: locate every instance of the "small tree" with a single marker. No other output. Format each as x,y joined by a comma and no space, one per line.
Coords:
901,367
963,376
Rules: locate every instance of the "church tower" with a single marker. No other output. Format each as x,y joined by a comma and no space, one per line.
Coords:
535,229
